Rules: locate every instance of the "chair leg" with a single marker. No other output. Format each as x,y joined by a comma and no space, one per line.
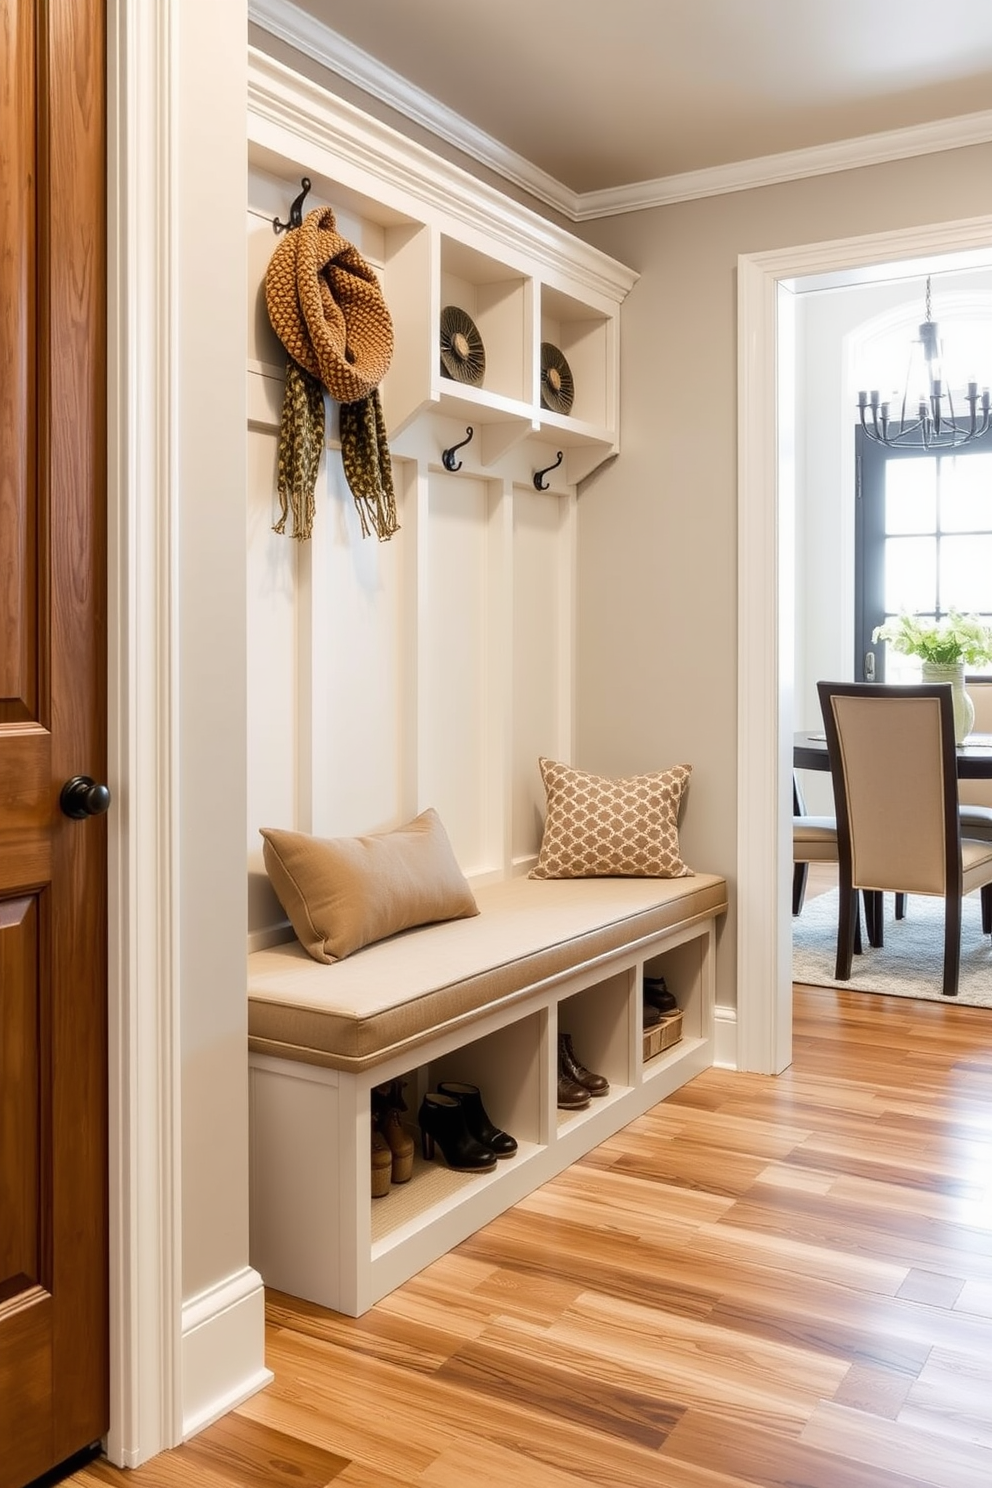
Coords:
874,906
952,944
900,906
987,909
800,874
849,914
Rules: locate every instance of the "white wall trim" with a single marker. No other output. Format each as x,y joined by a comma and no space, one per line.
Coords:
725,1037
761,844
145,1246
225,1322
790,165
307,35
298,29
297,120
764,759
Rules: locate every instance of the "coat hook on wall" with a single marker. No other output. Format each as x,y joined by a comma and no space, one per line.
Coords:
540,484
295,211
448,456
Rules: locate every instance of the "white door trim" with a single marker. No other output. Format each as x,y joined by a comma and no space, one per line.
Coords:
765,562
144,1054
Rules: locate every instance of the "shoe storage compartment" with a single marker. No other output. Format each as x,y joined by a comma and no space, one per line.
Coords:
686,970
508,1068
316,1231
599,1020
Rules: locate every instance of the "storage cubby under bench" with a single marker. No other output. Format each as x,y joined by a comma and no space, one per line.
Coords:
480,1000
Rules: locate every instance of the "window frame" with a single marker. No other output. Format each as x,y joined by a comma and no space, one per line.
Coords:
871,463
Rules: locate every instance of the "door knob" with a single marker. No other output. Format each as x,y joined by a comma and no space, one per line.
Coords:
81,797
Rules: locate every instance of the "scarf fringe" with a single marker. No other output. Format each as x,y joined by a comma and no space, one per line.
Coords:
301,441
368,466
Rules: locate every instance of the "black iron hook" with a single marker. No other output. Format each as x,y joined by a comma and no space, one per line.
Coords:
295,211
540,484
448,456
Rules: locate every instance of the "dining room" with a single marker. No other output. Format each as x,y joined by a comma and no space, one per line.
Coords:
886,529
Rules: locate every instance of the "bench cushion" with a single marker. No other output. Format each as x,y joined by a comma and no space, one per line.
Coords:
401,992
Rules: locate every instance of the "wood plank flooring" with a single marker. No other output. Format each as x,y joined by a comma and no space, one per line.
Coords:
778,1282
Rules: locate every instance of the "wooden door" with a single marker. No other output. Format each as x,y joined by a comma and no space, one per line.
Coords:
53,981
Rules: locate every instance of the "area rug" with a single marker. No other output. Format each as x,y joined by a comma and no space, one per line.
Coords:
909,964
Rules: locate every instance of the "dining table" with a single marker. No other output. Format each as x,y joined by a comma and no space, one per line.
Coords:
974,756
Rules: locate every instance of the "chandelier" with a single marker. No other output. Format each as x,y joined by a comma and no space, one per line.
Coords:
932,422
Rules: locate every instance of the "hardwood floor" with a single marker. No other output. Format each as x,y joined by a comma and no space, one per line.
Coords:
762,1281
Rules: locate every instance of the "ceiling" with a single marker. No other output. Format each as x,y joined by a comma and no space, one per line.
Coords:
594,97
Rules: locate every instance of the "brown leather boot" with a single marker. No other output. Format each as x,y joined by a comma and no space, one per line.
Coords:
382,1163
568,1065
400,1145
387,1103
571,1097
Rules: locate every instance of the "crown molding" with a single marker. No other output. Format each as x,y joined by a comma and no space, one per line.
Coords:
791,165
298,121
283,19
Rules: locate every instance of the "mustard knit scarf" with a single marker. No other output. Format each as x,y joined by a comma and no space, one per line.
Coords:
327,309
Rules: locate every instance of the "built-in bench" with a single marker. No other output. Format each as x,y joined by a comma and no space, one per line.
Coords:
480,1000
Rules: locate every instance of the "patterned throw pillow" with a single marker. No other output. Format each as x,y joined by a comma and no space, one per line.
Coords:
601,828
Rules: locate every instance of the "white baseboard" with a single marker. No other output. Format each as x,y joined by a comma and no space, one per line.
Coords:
725,1037
223,1349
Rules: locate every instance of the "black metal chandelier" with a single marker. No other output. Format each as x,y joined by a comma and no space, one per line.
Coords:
933,424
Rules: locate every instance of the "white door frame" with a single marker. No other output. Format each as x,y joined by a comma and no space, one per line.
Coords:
144,1043
765,616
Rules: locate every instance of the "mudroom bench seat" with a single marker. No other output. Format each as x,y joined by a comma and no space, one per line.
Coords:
480,1000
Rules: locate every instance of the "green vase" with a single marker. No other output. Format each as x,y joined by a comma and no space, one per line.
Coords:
964,708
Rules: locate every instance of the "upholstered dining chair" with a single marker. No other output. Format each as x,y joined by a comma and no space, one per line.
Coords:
894,771
814,840
975,796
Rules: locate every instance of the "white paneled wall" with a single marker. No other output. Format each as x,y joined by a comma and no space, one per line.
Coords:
434,669
430,670
542,629
460,654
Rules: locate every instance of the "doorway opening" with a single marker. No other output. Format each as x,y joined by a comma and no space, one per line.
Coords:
767,286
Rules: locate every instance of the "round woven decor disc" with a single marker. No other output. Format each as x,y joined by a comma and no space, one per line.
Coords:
463,356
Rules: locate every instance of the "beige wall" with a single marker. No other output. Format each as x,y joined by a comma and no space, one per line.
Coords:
657,591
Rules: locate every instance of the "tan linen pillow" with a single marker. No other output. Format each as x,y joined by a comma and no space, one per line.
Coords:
601,828
341,893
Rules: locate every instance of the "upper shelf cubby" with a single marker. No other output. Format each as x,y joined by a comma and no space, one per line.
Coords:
499,301
443,239
586,338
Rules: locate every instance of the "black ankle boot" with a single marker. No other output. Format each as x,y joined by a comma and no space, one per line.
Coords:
478,1122
442,1120
658,995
